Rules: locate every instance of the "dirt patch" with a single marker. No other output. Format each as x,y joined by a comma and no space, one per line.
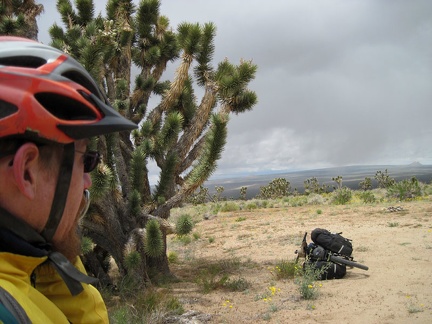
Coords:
396,246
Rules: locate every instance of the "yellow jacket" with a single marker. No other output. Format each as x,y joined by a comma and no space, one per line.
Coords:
41,292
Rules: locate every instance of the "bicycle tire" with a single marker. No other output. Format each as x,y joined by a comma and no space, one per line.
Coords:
348,262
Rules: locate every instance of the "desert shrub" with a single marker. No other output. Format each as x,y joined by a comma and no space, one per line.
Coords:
427,189
285,269
298,201
367,197
251,205
184,239
341,196
229,207
306,281
265,203
148,306
211,279
173,257
215,208
405,189
240,284
315,199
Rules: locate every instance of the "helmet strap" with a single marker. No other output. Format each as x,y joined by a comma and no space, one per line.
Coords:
61,192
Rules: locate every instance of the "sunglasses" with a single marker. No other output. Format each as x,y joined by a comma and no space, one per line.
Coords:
91,160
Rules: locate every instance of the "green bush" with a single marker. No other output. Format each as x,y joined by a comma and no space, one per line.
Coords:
315,199
229,207
367,197
307,286
240,284
173,257
285,269
147,306
342,196
251,206
405,189
298,201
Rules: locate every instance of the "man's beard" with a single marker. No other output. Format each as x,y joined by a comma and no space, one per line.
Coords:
70,245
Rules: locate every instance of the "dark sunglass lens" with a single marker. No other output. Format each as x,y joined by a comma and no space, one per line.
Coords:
91,160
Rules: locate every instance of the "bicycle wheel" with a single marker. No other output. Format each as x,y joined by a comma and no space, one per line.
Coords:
348,262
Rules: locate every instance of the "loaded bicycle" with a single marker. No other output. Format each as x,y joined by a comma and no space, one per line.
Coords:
330,252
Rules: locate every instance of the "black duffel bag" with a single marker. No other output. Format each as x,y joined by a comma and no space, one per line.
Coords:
332,241
328,269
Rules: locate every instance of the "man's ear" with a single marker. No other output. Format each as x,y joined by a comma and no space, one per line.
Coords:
25,169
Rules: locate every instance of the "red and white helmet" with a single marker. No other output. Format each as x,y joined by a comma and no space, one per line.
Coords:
45,94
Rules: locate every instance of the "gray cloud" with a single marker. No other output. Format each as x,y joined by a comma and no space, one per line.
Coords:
339,82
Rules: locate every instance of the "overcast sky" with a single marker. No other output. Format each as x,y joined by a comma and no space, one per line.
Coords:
339,82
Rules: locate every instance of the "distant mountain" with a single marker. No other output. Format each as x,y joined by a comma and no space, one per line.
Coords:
351,175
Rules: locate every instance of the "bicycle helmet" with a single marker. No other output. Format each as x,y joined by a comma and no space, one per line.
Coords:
46,95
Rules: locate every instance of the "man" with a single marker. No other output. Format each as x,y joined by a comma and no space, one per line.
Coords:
49,108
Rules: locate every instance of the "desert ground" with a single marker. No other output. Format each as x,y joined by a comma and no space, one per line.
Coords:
396,246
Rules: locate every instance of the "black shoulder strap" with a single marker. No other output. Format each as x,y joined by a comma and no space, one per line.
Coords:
13,307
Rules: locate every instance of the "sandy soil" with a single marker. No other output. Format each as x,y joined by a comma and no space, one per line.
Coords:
396,246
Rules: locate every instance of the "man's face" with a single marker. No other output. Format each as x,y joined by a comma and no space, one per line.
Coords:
66,239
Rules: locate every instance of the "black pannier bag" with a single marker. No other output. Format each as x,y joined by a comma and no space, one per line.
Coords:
332,241
329,270
317,260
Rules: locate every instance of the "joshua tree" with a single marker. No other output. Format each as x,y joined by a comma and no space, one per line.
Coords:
366,184
277,188
18,18
182,134
338,181
312,185
384,180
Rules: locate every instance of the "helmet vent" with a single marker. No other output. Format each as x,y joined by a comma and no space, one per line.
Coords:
81,80
7,109
23,61
64,108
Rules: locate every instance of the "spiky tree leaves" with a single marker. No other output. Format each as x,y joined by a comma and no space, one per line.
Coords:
184,225
18,18
214,143
184,135
233,82
133,260
153,241
102,179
